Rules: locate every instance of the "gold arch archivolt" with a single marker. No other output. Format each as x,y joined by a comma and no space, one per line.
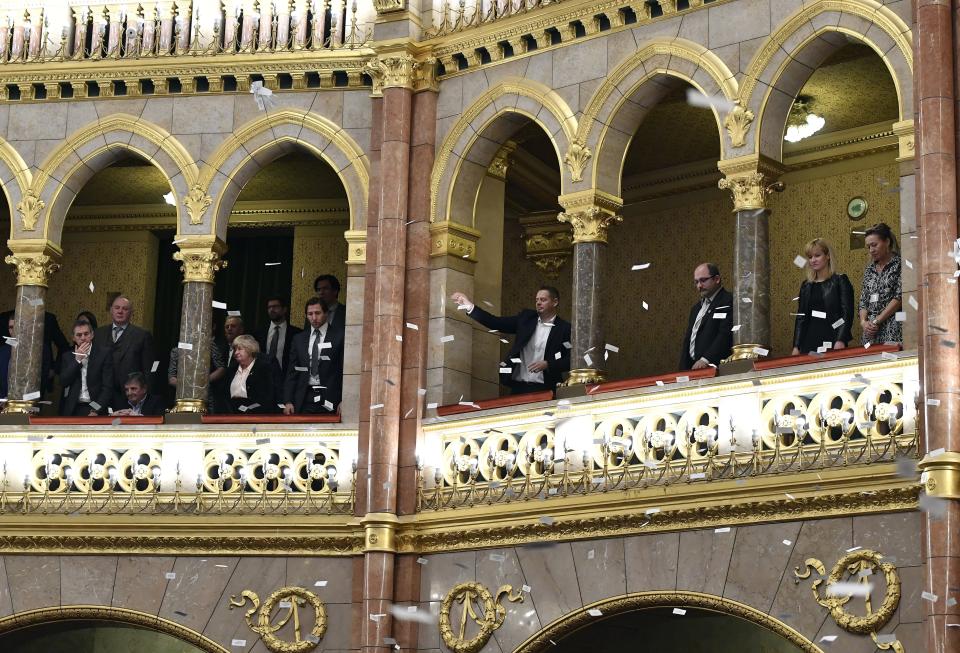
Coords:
126,616
90,149
512,95
780,62
569,623
15,176
250,147
607,128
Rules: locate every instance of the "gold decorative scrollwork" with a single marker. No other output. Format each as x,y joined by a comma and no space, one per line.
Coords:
29,208
576,159
199,265
197,201
590,225
33,269
491,618
398,71
292,598
860,565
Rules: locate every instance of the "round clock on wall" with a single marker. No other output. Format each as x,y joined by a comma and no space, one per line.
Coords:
857,208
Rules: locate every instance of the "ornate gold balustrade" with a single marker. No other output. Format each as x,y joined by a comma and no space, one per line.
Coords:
838,415
138,474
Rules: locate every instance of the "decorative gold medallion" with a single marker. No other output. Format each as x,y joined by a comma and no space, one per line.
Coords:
861,566
291,598
492,614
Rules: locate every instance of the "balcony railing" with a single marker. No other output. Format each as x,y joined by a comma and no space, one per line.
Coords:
834,414
79,32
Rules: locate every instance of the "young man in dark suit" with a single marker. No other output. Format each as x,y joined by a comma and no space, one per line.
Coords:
275,339
86,374
314,381
709,336
132,347
539,345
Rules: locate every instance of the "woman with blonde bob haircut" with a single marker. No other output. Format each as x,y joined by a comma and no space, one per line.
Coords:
825,313
253,379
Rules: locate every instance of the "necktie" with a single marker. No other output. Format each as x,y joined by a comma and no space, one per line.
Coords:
315,354
696,326
117,330
274,342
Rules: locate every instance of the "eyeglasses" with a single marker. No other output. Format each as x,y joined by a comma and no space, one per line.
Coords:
703,280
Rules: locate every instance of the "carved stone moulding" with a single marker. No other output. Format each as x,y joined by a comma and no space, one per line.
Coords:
453,239
35,260
749,179
200,257
547,243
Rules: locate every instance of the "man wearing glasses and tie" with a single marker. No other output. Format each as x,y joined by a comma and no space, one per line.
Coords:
709,336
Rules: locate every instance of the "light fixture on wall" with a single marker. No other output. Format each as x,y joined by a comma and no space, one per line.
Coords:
802,121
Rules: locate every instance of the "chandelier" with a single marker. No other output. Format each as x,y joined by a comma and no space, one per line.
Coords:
802,121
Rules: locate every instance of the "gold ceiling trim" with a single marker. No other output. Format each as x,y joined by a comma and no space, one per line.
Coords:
569,623
44,616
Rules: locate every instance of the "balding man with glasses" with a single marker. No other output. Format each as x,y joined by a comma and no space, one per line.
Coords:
709,336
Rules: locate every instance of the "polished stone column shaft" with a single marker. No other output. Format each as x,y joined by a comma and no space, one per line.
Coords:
193,364
586,336
752,278
936,80
27,355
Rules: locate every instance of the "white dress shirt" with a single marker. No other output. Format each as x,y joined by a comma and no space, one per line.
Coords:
281,342
238,387
534,350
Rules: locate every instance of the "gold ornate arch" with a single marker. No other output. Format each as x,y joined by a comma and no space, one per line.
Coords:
541,94
881,17
116,615
19,172
676,48
58,170
567,624
237,151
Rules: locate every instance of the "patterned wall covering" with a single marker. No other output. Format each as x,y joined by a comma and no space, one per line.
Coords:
86,258
316,250
674,240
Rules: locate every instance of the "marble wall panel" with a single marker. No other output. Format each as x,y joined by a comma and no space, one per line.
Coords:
88,580
141,582
34,581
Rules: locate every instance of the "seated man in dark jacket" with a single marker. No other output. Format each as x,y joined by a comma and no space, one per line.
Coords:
86,374
138,401
538,356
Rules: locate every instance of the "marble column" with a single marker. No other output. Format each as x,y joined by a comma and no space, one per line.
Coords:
200,258
749,180
590,213
393,79
35,262
936,81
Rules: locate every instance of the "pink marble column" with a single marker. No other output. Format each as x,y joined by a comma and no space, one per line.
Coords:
935,82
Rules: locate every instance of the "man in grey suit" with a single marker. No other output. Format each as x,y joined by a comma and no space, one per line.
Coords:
132,347
86,374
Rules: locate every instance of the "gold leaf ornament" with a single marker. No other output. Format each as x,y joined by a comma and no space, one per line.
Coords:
576,159
737,124
490,618
196,202
29,208
294,598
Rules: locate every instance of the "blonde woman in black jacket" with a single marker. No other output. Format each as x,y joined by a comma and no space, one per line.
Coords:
825,314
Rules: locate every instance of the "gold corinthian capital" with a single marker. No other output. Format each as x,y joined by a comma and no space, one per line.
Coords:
200,259
748,179
35,262
590,213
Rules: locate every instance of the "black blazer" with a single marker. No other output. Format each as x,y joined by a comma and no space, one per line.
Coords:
715,335
153,405
133,352
261,384
261,337
838,299
297,382
524,324
99,379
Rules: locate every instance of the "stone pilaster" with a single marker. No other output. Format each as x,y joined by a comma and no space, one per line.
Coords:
749,180
200,258
590,213
35,262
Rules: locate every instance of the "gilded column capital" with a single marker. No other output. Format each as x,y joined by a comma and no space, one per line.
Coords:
501,161
453,239
35,261
380,532
940,475
590,213
906,140
749,180
388,6
547,243
200,258
393,71
356,246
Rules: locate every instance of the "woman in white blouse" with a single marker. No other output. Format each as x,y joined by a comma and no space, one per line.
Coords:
251,381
